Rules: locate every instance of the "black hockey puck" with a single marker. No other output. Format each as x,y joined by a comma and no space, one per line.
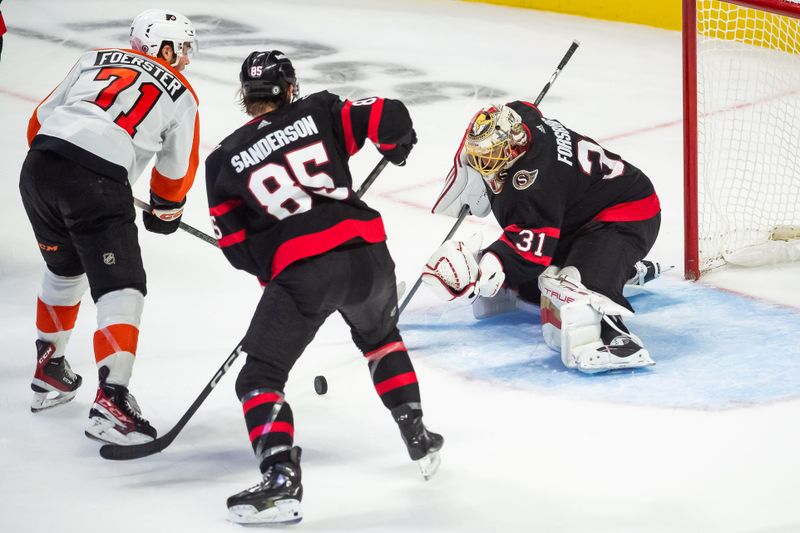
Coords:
320,385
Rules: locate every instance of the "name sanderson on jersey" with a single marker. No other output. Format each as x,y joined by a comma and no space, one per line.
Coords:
274,140
171,85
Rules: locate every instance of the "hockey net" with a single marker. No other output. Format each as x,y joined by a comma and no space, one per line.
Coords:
742,132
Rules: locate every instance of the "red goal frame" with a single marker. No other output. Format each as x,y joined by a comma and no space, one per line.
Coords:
690,217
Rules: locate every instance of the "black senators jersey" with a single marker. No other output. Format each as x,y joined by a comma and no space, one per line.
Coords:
564,182
280,190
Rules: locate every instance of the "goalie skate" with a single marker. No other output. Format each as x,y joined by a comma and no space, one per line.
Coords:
53,382
623,351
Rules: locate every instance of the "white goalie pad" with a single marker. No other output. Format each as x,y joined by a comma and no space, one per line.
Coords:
463,185
571,314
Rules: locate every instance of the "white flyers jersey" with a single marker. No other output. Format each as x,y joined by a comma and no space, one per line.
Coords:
115,110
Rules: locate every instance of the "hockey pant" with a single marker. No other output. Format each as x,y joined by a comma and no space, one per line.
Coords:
604,253
359,283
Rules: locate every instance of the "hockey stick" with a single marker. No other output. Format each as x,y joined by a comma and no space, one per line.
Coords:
144,206
564,60
121,452
461,216
372,177
465,208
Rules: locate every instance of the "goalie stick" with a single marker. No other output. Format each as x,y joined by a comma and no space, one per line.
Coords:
465,208
119,452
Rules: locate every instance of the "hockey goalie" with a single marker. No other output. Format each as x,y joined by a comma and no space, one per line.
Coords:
577,223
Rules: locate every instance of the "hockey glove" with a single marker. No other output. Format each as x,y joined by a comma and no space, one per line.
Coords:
453,272
164,216
399,153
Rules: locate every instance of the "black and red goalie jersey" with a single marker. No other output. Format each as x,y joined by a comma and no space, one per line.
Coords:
564,182
280,189
559,185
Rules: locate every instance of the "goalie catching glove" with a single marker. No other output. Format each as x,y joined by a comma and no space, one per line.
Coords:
453,272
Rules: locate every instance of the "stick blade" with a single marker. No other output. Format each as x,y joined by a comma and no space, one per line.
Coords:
120,452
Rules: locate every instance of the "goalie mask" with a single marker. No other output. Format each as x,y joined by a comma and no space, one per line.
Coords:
151,29
496,138
266,75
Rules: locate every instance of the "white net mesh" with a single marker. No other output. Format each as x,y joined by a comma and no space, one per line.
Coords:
748,113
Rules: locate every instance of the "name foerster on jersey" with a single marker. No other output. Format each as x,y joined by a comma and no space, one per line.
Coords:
274,140
563,140
172,85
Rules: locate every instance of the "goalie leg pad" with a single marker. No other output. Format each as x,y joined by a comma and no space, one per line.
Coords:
571,324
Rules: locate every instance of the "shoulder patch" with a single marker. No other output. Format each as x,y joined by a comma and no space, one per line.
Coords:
523,179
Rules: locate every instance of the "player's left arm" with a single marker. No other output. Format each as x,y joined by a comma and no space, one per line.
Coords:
174,171
523,252
383,121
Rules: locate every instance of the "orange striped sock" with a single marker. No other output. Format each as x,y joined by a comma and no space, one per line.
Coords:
55,318
113,339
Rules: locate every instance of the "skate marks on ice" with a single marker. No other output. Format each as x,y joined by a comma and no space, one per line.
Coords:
227,42
713,349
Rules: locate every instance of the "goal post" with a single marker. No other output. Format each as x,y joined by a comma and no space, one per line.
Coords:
741,76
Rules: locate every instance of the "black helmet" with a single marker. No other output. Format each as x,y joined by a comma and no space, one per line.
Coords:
266,74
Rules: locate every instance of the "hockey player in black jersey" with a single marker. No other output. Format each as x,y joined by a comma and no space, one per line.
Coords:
283,208
576,219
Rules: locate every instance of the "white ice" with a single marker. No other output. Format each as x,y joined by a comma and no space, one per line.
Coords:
705,441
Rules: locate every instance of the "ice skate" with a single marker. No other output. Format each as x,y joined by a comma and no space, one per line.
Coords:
53,382
645,271
115,417
275,500
423,445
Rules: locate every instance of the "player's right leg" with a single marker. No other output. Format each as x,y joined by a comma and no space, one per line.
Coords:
62,287
98,212
371,313
290,312
599,259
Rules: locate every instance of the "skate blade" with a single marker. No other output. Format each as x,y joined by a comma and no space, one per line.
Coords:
606,367
429,464
103,430
42,400
282,513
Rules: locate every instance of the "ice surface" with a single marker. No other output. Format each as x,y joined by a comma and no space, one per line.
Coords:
705,441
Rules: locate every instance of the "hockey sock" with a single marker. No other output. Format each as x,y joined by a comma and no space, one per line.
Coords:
54,324
270,424
394,376
57,308
118,316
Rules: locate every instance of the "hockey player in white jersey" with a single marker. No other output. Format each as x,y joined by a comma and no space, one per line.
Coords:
90,139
